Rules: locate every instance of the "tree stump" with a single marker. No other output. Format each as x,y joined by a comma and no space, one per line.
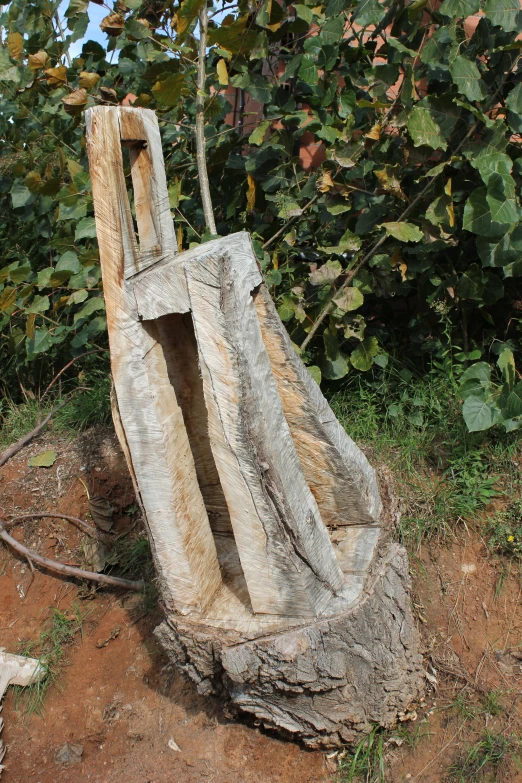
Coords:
282,590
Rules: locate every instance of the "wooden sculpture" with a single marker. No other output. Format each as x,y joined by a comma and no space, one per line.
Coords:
280,585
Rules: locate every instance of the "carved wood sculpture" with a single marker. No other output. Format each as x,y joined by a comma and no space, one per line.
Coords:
280,585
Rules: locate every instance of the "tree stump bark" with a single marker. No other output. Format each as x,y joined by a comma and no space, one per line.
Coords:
281,588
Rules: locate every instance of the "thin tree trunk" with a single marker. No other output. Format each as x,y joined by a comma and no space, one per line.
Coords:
200,124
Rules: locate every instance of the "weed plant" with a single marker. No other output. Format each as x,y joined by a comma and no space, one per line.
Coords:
488,758
50,648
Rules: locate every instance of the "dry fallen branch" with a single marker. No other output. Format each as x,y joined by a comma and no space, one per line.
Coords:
54,565
80,523
16,447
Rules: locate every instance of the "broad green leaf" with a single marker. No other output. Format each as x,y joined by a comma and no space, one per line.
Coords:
514,99
40,343
477,216
332,31
72,211
235,37
258,134
68,262
92,305
44,460
168,91
315,372
362,357
188,11
254,84
349,242
308,70
349,299
424,130
19,274
504,13
501,251
466,76
326,273
369,12
471,283
78,297
404,231
506,364
514,401
503,209
303,12
335,363
86,229
479,414
40,304
459,8
21,196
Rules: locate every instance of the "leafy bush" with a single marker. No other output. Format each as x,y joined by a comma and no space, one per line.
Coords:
488,402
406,238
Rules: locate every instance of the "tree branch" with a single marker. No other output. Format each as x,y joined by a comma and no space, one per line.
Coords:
201,157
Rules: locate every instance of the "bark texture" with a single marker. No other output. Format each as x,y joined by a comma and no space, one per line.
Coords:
324,683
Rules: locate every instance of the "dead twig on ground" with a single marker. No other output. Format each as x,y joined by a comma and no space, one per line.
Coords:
54,565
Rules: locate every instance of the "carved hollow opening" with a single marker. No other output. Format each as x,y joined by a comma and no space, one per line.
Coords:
175,334
137,165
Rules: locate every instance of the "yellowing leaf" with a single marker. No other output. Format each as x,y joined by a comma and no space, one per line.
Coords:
251,193
112,24
7,299
258,134
375,132
38,60
15,44
222,72
88,80
180,238
44,460
326,182
56,76
75,102
349,299
390,182
29,326
168,91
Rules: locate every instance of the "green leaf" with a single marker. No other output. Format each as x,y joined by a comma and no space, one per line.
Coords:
479,414
459,8
504,13
404,232
466,76
501,251
315,372
72,212
471,284
39,304
514,402
349,299
308,71
93,304
86,229
44,460
235,38
168,91
335,363
506,364
303,12
369,12
514,99
327,273
258,134
503,209
349,242
40,343
21,196
68,262
362,357
255,85
19,274
477,215
424,130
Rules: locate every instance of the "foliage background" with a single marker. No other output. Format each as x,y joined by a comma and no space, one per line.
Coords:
409,233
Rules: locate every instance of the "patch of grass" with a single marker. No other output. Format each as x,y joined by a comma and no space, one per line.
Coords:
366,763
462,707
486,759
16,420
89,407
59,632
131,558
505,531
414,425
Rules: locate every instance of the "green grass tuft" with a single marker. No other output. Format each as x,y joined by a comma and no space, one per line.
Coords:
486,758
59,632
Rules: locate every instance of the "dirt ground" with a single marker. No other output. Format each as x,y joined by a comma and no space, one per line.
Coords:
117,697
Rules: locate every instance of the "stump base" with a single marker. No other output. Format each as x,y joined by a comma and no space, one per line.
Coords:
325,682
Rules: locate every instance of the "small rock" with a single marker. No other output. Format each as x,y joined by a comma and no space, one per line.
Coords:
173,745
67,755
